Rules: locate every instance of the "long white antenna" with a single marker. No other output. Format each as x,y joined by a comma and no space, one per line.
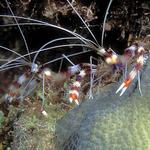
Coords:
104,22
39,22
139,83
10,50
84,24
46,49
50,42
25,42
68,59
43,91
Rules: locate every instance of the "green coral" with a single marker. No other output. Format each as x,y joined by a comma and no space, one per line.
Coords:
1,118
126,127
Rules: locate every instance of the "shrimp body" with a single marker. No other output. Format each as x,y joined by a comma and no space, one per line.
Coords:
138,65
24,84
130,51
75,88
111,58
14,88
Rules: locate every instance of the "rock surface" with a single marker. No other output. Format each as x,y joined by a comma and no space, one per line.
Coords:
109,122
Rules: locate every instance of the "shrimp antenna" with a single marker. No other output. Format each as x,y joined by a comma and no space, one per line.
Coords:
12,67
71,55
39,22
43,91
139,83
27,85
91,78
49,48
10,50
37,52
84,24
50,42
104,22
68,59
25,42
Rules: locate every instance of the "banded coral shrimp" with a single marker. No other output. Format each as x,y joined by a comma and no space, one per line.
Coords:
110,56
34,68
73,69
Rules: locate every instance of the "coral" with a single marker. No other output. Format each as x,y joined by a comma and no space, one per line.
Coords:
1,118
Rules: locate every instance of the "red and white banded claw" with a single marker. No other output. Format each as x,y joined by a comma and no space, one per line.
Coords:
123,87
